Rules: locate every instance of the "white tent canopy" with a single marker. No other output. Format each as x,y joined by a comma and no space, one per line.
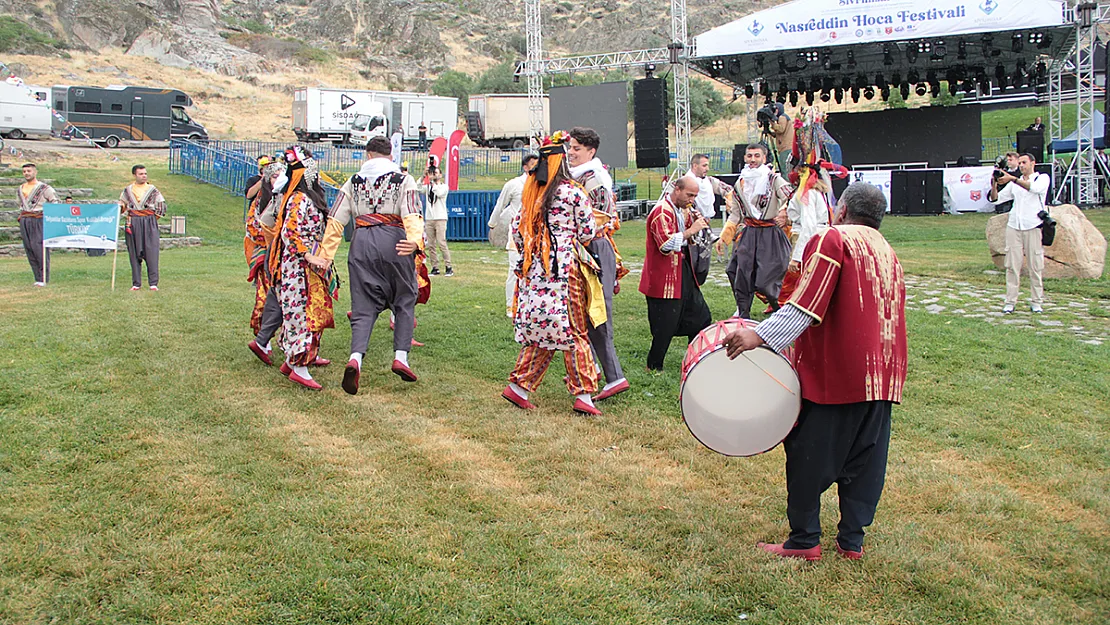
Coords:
821,23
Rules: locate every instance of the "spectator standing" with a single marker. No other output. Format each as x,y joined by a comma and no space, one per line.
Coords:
1023,234
435,221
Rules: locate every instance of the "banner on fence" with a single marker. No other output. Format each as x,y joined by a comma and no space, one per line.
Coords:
89,226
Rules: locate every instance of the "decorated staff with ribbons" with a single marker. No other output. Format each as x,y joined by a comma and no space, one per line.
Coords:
384,258
305,285
143,204
587,170
551,231
32,194
762,251
848,325
675,305
266,314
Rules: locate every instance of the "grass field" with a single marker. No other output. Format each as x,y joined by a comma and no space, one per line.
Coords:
153,471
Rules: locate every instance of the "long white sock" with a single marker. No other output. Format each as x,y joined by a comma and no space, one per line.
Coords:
402,356
356,356
519,391
264,346
585,398
303,372
612,384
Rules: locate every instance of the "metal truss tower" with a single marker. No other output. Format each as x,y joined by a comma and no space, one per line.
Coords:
532,70
680,67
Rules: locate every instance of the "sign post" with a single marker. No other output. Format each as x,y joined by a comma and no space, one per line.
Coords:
89,226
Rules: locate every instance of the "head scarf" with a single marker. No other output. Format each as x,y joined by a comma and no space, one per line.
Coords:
536,201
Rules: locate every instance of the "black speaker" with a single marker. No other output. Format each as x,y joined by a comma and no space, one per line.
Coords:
967,161
917,192
1031,142
899,192
649,116
738,152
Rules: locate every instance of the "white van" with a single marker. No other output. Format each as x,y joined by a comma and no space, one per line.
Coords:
24,111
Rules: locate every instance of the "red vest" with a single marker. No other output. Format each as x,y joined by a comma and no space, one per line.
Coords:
662,274
853,288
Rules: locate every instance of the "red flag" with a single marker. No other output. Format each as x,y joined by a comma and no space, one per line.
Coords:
453,159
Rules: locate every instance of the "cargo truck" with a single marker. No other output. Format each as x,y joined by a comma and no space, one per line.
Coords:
501,120
321,114
24,111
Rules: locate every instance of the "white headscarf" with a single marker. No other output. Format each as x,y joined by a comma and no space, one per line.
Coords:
377,167
755,180
595,166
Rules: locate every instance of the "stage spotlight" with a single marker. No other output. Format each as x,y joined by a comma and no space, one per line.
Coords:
780,98
851,59
783,88
826,60
904,90
1000,76
1017,42
845,83
815,84
782,64
885,93
911,53
793,98
880,82
838,95
934,89
809,98
961,50
734,68
913,76
716,66
825,96
861,81
939,51
749,91
895,79
920,89
888,57
969,87
855,94
827,83
988,47
869,92
1045,42
801,85
952,87
1042,71
765,89
801,60
759,64
812,56
924,47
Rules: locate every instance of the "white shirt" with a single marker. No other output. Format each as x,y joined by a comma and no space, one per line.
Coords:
705,202
1023,216
810,216
437,209
508,205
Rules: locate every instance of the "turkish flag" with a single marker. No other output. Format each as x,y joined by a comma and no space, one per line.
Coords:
453,144
75,211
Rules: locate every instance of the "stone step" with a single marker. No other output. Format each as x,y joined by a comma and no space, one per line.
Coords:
81,198
15,181
11,233
16,250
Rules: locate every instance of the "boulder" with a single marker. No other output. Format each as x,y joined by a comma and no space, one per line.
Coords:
499,236
1079,250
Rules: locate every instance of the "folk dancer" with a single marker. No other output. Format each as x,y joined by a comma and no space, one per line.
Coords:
675,305
848,325
381,263
708,188
32,194
554,224
143,204
587,170
261,215
305,285
506,208
762,251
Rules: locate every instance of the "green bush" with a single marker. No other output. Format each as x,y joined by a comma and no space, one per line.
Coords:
17,37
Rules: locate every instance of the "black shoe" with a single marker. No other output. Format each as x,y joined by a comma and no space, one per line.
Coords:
434,271
450,272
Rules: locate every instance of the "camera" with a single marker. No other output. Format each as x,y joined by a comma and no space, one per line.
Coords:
768,114
999,168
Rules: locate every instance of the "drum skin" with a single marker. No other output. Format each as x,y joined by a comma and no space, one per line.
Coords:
740,407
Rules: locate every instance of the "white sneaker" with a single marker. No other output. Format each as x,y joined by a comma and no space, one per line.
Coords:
153,288
1008,309
40,284
1036,308
134,288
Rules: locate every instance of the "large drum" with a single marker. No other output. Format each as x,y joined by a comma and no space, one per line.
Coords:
740,407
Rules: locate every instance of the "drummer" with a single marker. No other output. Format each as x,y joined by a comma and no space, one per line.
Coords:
851,361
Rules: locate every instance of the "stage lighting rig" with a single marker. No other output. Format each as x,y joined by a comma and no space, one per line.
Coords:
734,67
765,89
1000,76
885,93
649,70
851,59
855,94
749,91
913,77
826,60
793,98
911,53
939,51
924,47
812,56
920,89
759,64
825,95
888,56
782,64
961,50
868,92
988,47
809,98
716,66
838,95
1046,42
904,90
845,83
880,82
1017,42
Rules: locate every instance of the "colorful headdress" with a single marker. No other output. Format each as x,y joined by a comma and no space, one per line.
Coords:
810,152
533,213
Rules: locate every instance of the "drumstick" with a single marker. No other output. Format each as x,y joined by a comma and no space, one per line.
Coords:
768,374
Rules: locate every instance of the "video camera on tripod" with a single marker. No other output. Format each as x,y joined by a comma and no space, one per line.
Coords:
769,114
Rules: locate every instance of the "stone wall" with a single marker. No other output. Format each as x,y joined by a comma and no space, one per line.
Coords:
166,243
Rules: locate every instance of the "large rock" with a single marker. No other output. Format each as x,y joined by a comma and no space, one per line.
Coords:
499,236
1079,250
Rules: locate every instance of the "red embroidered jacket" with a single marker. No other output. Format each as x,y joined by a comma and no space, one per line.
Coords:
852,286
662,274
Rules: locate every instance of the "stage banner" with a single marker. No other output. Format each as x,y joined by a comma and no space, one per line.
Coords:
810,24
880,178
968,188
90,226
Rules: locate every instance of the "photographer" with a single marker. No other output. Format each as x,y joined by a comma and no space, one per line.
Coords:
777,123
1005,165
1023,234
435,220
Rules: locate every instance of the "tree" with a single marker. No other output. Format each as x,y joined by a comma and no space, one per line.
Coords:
455,84
499,79
706,104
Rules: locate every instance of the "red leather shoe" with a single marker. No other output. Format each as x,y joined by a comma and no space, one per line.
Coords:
620,388
348,315
311,385
582,407
403,370
416,343
516,400
810,555
319,362
849,555
351,375
285,369
262,355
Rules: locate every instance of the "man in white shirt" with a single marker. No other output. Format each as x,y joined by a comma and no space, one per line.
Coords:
708,186
435,221
507,207
1023,234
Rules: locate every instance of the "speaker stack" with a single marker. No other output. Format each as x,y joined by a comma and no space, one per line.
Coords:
1031,142
649,118
916,192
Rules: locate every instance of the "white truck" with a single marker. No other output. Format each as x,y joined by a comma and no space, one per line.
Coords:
321,114
501,120
24,111
408,111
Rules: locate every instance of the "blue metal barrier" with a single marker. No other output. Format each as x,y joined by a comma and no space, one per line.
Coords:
468,214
